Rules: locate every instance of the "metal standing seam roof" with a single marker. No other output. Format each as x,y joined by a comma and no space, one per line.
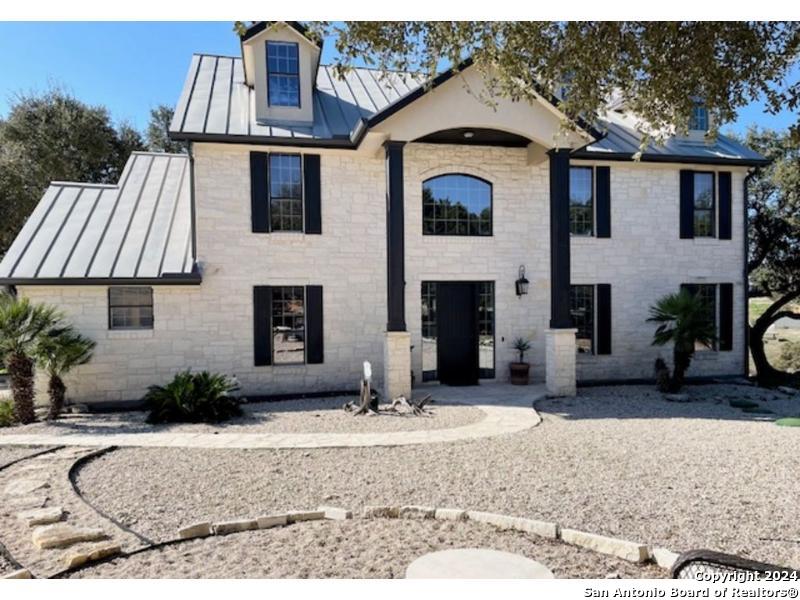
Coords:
139,231
217,104
216,101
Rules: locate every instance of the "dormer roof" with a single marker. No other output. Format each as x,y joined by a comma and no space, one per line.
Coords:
259,26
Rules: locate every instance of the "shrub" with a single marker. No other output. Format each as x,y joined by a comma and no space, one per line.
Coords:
6,413
193,398
789,358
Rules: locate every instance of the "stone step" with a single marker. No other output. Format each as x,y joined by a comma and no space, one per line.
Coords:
41,516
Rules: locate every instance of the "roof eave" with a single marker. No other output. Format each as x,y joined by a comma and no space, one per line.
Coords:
671,158
166,279
348,142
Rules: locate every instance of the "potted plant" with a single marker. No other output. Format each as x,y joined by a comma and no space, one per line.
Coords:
520,369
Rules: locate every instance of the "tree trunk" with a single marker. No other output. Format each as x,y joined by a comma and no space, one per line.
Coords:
20,372
766,374
681,361
56,389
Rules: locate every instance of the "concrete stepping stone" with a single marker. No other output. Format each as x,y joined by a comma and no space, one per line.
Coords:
476,563
19,574
63,535
41,516
24,486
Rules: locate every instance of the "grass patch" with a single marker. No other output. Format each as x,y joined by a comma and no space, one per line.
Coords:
788,422
6,413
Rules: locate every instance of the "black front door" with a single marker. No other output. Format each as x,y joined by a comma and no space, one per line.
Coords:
457,344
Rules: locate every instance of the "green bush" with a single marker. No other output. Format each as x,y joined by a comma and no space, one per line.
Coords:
6,413
789,358
193,398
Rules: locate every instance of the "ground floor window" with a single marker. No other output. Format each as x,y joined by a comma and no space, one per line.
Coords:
130,307
486,325
707,293
581,305
288,325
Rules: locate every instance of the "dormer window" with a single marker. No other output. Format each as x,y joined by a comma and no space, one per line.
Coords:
283,74
699,118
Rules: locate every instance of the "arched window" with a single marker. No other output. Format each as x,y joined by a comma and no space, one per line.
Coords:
456,204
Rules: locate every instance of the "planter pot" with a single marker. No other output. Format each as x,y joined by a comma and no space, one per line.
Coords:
519,373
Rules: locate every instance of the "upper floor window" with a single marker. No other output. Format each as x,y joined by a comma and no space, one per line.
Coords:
283,74
130,308
285,192
456,205
699,118
704,205
581,201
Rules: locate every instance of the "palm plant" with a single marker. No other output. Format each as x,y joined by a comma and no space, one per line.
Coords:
683,320
193,398
21,324
58,351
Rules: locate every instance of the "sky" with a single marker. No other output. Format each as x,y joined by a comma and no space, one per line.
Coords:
131,67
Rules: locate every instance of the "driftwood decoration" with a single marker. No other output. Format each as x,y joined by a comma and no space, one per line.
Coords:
367,401
416,407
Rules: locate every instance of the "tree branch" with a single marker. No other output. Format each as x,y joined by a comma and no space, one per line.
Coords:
787,314
768,318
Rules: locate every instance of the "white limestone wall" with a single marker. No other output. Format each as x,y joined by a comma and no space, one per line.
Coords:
645,259
521,235
211,326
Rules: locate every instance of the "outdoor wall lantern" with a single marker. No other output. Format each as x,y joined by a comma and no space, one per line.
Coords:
522,283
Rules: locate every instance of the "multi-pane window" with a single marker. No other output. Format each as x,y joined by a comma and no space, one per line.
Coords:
699,118
707,293
486,328
285,192
429,331
288,325
283,72
581,201
130,308
581,304
456,205
703,204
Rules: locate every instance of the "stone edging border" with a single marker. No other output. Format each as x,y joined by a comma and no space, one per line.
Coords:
72,474
622,549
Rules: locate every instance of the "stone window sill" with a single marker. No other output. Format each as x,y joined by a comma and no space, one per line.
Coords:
129,334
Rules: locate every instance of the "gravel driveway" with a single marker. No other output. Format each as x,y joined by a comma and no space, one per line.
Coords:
619,460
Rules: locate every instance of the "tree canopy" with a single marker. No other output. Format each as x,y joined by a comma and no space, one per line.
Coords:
774,237
660,70
55,137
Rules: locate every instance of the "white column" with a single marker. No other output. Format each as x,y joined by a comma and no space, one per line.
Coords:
560,362
396,365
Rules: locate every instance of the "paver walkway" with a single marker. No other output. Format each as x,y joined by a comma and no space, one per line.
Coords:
507,409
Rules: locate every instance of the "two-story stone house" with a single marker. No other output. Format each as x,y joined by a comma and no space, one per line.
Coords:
319,221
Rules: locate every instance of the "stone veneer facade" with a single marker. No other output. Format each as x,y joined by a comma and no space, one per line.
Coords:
211,326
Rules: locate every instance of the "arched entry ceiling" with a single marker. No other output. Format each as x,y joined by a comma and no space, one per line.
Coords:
475,136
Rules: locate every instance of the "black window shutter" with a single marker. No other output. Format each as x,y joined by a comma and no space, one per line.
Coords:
259,195
603,178
687,204
726,316
262,316
314,345
725,206
603,318
313,192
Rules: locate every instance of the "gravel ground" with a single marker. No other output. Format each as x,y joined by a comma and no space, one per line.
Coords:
5,566
323,415
618,460
380,548
12,453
